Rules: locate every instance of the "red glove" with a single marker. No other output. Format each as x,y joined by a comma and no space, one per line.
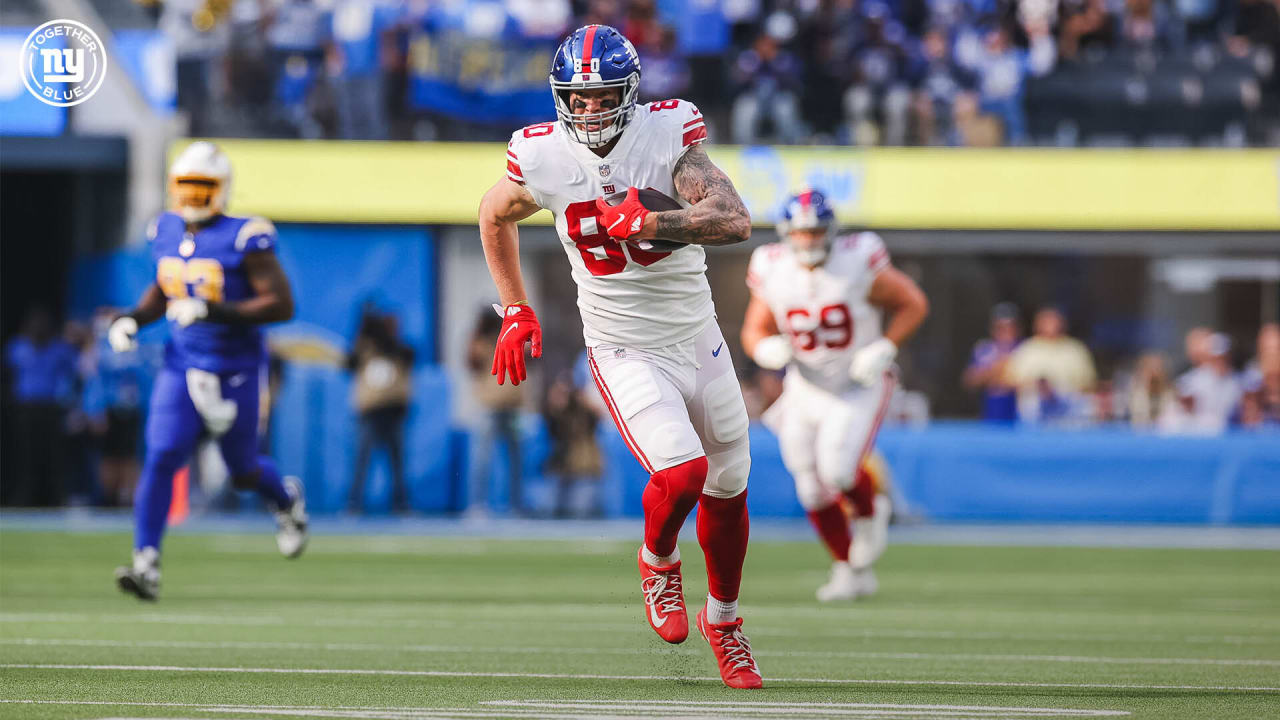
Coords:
622,221
519,325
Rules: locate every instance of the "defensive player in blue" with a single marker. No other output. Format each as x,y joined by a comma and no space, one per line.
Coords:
217,281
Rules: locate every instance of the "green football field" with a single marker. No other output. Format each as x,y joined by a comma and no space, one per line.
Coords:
410,628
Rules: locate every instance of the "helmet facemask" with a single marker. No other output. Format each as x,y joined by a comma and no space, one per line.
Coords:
809,256
197,198
199,182
608,124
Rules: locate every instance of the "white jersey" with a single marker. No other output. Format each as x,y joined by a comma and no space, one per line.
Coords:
824,310
627,296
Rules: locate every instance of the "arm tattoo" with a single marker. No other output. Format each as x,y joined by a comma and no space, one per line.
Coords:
718,215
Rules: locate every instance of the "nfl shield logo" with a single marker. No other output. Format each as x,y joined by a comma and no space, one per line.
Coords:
605,170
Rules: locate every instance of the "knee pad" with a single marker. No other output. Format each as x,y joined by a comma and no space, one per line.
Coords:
812,494
727,471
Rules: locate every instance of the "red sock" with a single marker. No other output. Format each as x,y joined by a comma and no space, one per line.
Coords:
862,494
723,527
668,499
833,528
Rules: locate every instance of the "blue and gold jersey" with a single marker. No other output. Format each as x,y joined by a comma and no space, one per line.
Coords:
209,264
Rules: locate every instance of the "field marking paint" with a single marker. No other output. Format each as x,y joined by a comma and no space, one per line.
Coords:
539,650
592,676
572,625
598,709
737,707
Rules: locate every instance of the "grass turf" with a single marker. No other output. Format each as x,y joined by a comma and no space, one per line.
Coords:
1156,633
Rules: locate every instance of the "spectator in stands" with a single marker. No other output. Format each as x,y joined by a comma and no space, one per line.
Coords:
1148,26
1196,346
1209,392
877,104
541,19
702,38
987,369
641,25
1255,33
1002,71
767,77
81,424
666,73
499,423
603,12
1151,399
942,87
1084,25
576,460
825,40
1261,381
360,34
201,34
43,366
1201,18
381,392
116,394
1051,370
297,34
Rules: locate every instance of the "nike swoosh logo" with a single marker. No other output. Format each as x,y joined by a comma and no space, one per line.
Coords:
616,222
507,332
716,352
653,617
236,380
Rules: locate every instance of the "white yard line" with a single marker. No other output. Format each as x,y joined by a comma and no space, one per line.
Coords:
590,676
596,710
541,650
731,707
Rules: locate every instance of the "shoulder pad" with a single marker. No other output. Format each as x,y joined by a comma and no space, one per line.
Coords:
257,233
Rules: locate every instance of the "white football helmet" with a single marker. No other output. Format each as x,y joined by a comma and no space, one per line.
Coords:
200,182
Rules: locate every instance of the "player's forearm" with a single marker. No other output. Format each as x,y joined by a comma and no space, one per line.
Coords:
716,220
751,336
150,307
501,242
258,310
906,319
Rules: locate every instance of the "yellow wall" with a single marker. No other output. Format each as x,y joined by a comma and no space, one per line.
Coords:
887,188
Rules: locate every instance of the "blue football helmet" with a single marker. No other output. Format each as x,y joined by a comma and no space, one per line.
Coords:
595,56
808,210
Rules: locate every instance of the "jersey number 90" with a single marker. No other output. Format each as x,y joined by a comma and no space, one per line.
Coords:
204,275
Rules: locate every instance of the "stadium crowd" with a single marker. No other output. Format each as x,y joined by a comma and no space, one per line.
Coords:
1049,379
866,72
76,407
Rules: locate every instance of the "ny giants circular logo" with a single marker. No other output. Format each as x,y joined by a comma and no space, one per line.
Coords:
63,63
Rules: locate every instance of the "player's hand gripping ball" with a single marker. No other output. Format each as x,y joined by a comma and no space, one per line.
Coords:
519,325
622,215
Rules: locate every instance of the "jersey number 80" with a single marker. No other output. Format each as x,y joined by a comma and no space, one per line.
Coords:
601,254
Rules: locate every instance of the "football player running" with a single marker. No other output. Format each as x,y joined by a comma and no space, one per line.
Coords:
654,348
217,280
815,309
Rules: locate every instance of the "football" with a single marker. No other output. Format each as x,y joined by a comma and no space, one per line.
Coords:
652,200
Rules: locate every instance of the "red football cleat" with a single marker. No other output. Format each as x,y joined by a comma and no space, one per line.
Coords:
664,600
733,653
